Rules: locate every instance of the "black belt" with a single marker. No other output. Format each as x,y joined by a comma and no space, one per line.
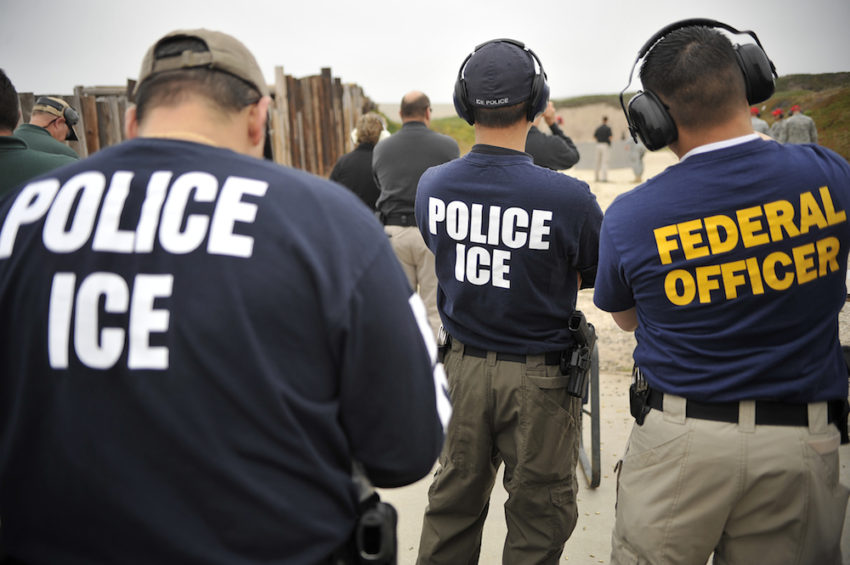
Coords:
406,220
767,413
551,357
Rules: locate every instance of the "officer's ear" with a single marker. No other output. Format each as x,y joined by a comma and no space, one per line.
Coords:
131,125
257,115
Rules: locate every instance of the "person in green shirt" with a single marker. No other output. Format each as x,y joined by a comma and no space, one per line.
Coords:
18,162
51,123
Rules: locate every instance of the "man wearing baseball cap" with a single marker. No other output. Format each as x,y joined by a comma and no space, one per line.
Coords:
513,243
799,128
51,123
198,344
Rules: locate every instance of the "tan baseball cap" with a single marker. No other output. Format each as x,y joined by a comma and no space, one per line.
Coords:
225,53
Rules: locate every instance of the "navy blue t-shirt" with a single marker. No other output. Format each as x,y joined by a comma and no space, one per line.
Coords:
735,261
194,344
510,239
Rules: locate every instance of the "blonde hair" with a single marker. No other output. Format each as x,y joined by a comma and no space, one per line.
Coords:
369,128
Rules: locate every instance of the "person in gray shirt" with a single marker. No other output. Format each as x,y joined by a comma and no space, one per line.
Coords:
759,125
397,164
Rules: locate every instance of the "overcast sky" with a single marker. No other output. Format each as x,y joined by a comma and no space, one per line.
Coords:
390,47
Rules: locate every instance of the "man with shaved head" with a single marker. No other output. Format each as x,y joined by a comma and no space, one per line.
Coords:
397,164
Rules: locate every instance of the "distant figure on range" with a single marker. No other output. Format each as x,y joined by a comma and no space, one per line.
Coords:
52,122
513,244
759,125
354,169
799,128
739,389
19,163
397,163
776,128
556,151
603,150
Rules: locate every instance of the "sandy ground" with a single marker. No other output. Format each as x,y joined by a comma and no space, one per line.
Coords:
590,542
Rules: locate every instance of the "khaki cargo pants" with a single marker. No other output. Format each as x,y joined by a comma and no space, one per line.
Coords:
519,414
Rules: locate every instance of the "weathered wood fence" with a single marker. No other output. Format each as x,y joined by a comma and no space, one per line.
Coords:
310,119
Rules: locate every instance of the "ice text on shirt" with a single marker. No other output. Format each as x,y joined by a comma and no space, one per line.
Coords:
479,228
86,210
748,228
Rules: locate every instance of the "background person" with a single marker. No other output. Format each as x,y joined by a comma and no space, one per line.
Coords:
556,151
397,163
191,368
602,134
52,122
735,446
759,125
19,163
354,169
505,303
777,125
799,128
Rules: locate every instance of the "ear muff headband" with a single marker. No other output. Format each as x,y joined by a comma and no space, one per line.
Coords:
70,115
539,87
647,117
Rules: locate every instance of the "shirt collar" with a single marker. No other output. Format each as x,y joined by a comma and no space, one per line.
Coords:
720,145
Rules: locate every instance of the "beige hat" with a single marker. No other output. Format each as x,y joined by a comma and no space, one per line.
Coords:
225,53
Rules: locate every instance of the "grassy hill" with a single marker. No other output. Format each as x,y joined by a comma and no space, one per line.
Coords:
824,97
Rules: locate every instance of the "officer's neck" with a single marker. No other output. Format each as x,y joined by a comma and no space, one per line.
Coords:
511,137
690,138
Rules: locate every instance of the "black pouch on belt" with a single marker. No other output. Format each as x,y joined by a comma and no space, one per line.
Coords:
638,394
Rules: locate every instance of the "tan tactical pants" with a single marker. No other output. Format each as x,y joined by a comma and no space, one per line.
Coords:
417,261
752,494
519,414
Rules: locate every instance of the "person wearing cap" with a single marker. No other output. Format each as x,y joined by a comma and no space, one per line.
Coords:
19,163
759,125
198,344
397,164
513,242
799,128
51,123
556,151
777,126
730,269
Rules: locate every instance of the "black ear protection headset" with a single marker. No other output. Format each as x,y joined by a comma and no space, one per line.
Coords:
539,87
647,116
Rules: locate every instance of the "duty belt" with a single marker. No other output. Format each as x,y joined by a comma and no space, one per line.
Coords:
550,357
767,413
405,220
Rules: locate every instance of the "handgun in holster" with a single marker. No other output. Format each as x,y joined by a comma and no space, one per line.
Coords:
638,395
576,363
375,538
444,343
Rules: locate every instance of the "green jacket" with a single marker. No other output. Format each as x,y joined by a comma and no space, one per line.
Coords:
19,163
40,139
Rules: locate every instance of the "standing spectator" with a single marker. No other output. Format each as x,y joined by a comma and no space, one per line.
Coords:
603,150
354,170
556,151
799,128
52,122
18,163
636,151
397,163
513,244
777,125
759,125
740,389
196,344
